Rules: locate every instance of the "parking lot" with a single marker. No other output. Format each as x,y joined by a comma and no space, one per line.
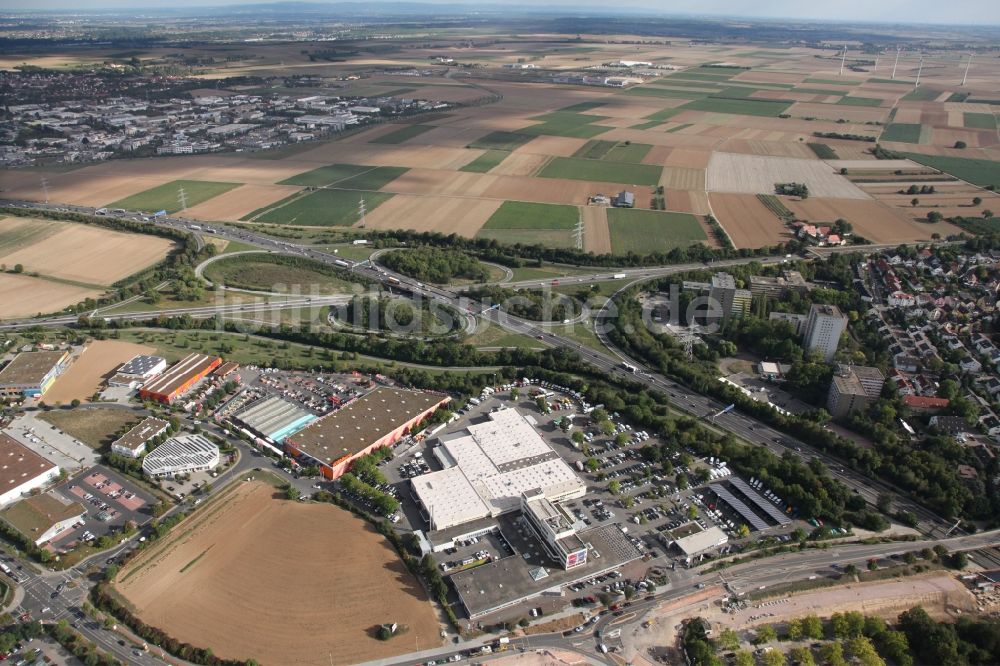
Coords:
110,499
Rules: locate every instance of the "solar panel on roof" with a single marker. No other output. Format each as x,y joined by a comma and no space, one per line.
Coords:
768,508
755,521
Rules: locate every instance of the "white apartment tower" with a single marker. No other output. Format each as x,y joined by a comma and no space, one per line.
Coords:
824,327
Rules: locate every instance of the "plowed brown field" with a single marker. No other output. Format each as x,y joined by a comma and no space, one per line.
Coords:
282,582
747,221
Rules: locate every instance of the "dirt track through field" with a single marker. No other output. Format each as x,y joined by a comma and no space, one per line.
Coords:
596,235
285,583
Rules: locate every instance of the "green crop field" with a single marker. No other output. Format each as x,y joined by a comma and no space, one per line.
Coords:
167,196
486,161
980,121
646,231
902,132
649,124
322,208
544,237
582,106
631,152
404,133
664,115
562,129
922,95
823,151
860,101
678,128
594,150
277,273
610,172
501,141
347,176
523,215
742,107
667,93
978,172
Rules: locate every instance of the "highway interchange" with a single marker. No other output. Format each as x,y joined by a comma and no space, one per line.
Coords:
739,578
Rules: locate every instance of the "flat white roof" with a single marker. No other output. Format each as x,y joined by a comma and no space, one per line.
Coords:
702,541
449,498
181,453
492,465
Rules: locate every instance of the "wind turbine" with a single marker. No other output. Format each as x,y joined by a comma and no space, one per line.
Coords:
842,59
916,84
895,63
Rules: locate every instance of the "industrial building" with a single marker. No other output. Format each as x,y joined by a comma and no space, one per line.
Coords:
776,287
274,418
700,542
41,518
179,378
377,419
139,369
487,469
181,455
30,374
555,529
21,470
133,443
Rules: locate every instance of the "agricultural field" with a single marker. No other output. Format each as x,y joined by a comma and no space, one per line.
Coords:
193,584
903,132
752,174
403,134
276,273
321,208
645,231
501,141
168,196
89,370
347,176
976,171
748,221
532,224
483,163
598,170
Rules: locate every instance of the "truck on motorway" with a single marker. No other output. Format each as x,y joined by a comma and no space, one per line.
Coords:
628,366
341,262
619,276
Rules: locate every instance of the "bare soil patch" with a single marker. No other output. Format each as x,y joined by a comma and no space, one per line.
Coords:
519,164
23,296
596,235
227,572
459,215
747,221
873,220
91,368
90,254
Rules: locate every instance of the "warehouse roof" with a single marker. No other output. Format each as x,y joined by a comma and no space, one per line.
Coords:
449,497
361,422
699,542
19,464
275,417
141,365
180,373
186,451
35,515
30,368
141,433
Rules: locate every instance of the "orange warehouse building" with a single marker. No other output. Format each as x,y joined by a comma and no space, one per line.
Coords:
179,378
376,419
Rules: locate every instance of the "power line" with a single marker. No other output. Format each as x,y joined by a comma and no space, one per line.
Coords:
182,197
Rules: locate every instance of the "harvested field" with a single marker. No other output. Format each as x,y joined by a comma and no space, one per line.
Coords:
403,134
486,161
25,296
88,372
767,148
729,172
556,146
747,221
596,236
688,158
854,114
433,213
234,205
88,254
679,178
194,583
687,201
520,164
875,221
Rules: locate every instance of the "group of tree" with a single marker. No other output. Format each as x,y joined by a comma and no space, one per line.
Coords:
437,265
399,315
533,304
83,649
380,502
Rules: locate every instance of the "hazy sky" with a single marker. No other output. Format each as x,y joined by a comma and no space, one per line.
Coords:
976,12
